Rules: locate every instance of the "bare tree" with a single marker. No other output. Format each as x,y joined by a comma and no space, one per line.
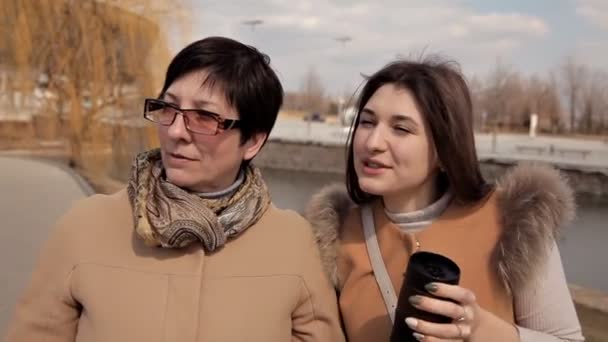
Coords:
313,92
543,99
593,102
502,98
476,88
573,76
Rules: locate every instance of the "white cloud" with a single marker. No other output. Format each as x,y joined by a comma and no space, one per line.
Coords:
511,23
300,22
301,34
595,11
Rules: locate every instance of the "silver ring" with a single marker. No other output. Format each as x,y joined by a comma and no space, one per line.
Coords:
464,315
459,331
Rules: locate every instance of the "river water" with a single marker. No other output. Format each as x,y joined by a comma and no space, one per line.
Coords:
583,245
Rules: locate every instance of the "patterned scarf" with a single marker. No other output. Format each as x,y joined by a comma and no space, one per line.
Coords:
168,216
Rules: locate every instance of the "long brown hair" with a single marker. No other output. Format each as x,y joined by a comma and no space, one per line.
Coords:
442,96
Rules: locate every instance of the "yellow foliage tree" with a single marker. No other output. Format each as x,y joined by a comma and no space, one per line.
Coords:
94,59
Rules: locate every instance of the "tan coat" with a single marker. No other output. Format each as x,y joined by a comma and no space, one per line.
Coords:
97,281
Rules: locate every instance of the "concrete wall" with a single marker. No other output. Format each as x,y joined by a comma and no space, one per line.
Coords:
16,131
296,156
331,158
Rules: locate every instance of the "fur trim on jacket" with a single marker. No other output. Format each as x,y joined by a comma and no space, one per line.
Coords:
534,200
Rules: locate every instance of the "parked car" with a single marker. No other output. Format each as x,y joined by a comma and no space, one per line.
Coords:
314,117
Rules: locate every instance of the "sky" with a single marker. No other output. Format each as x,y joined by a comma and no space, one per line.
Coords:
534,37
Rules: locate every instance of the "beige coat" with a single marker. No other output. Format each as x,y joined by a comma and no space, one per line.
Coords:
97,281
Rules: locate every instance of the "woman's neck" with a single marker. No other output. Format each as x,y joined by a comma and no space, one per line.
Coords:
227,191
412,199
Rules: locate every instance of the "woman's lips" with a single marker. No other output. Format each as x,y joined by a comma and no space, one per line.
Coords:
180,156
373,168
176,159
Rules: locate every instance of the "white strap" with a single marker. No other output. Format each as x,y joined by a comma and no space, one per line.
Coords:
375,258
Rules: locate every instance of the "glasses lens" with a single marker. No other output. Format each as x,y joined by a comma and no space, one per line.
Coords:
200,122
160,112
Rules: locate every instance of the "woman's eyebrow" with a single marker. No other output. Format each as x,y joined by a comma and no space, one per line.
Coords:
368,111
403,117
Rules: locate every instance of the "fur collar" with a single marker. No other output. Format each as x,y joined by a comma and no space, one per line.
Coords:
535,202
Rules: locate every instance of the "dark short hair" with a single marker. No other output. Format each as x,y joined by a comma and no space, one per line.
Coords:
243,74
444,100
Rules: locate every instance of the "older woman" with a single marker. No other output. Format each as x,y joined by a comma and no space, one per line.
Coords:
193,249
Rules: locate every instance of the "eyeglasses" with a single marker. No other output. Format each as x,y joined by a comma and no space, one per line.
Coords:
197,121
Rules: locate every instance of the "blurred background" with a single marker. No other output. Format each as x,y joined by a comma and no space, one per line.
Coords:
73,75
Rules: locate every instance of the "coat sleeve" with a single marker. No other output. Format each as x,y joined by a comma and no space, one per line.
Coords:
316,316
46,311
546,313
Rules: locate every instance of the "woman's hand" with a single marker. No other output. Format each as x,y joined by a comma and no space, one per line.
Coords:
465,313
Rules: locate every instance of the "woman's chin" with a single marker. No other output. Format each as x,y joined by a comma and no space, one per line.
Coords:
373,187
180,178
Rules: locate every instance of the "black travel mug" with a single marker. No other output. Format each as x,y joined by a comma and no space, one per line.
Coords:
423,268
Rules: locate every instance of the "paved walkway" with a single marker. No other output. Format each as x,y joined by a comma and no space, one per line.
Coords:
33,195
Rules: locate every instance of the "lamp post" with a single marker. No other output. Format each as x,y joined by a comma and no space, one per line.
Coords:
343,39
253,23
